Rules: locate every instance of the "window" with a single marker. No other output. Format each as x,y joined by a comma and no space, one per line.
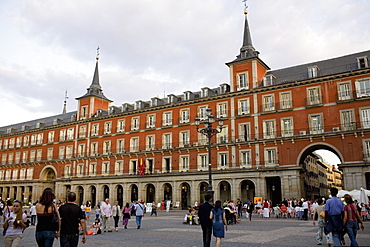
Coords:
150,166
105,168
62,135
107,128
121,125
242,80
10,158
222,137
51,137
150,142
84,112
286,100
205,92
106,148
202,112
221,110
81,150
94,149
244,107
38,154
184,163
167,118
362,62
222,160
80,169
135,123
40,137
344,91
150,121
313,96
270,157
22,174
70,132
82,133
32,155
50,154
202,140
29,173
120,146
203,162
3,159
19,142
287,127
133,167
365,118
61,152
69,152
347,120
118,167
134,144
245,158
167,141
15,174
67,171
363,88
268,80
166,165
25,141
92,170
269,129
268,103
316,124
8,174
95,130
244,132
313,72
184,139
366,145
184,115
11,143
33,140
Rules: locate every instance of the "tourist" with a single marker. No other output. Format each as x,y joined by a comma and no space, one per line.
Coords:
126,214
154,209
266,209
334,208
351,219
88,211
139,212
116,212
33,214
14,225
46,230
96,227
205,222
97,211
219,223
106,214
250,209
319,212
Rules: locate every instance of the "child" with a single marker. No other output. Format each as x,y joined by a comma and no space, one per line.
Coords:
96,227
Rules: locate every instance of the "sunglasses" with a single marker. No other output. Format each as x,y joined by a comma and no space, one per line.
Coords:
17,201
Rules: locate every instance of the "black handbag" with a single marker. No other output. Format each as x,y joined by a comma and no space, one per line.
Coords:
54,219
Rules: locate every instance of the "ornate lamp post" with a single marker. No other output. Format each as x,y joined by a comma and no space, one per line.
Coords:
209,132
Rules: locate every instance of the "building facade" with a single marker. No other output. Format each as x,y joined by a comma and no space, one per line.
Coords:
151,150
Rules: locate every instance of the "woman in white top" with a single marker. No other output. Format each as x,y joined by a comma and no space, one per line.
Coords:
14,225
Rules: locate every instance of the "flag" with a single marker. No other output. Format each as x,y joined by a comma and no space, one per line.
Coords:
141,168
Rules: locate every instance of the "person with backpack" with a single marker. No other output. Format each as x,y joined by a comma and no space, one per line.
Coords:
139,210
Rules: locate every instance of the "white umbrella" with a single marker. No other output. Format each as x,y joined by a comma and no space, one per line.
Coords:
341,193
355,194
363,196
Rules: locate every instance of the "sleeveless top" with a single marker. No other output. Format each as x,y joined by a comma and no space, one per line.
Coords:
44,222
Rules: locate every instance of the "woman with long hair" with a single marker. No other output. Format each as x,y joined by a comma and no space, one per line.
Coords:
46,231
14,225
126,214
219,223
351,219
320,223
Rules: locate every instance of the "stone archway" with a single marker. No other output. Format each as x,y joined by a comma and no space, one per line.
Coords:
247,190
185,196
225,191
203,188
80,195
150,193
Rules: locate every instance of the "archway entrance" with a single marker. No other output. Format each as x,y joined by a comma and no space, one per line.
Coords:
247,189
134,193
273,185
185,195
120,195
167,192
105,192
93,196
203,188
225,191
80,195
150,193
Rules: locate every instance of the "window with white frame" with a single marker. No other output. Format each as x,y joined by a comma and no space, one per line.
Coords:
94,148
1,144
22,174
347,119
80,169
133,167
244,107
203,162
8,173
118,167
120,125
184,163
202,140
167,118
150,122
269,129
26,141
184,138
242,80
362,62
316,124
312,71
29,173
244,132
11,143
135,123
268,103
268,80
32,155
344,91
18,157
6,143
363,87
10,158
3,159
106,148
221,110
95,130
83,112
61,152
286,100
313,96
167,141
2,174
40,137
134,144
222,160
245,158
50,154
69,152
150,142
270,157
184,115
92,169
67,171
70,132
33,140
365,118
15,174
81,150
82,132
18,142
202,112
287,127
105,168
222,137
51,136
120,146
107,128
62,135
366,147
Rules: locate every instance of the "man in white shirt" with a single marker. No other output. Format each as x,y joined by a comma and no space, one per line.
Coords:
139,208
33,214
106,213
305,209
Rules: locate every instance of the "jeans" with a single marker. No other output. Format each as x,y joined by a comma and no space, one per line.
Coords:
116,219
207,232
352,227
138,220
337,236
320,232
45,238
69,240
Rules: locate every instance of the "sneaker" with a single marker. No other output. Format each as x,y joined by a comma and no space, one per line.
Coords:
109,230
138,227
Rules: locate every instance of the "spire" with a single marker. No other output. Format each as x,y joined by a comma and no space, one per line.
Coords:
65,103
247,50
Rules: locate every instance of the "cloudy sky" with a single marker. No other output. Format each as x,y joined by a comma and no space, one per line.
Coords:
155,48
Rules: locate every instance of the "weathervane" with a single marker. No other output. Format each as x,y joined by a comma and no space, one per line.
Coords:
97,53
65,102
245,6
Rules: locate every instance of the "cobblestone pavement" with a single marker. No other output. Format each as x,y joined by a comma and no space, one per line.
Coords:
167,230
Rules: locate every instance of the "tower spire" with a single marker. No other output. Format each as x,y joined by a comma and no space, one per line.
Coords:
247,50
65,103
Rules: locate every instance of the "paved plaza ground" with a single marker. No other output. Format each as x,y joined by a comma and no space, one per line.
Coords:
167,230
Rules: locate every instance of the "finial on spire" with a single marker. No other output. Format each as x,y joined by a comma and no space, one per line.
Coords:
245,6
97,53
65,102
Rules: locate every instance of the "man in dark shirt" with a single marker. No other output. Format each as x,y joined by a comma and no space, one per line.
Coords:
71,216
206,223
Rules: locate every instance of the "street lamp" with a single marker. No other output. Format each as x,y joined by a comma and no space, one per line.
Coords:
209,132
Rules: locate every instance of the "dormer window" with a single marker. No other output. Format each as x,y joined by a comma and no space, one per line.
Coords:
267,80
242,79
313,72
362,62
205,92
224,88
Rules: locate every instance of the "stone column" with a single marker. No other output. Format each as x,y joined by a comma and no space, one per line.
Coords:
127,193
194,193
19,193
26,194
11,192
